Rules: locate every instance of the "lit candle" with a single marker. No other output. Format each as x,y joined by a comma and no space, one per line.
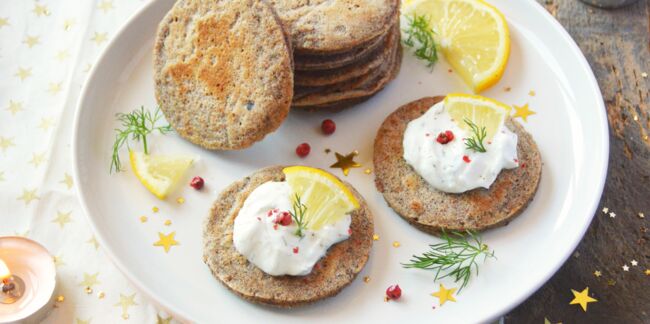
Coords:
27,279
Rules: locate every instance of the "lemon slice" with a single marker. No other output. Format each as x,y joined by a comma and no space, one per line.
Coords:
327,199
159,173
482,111
472,35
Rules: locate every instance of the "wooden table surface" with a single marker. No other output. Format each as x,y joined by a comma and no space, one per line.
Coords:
617,46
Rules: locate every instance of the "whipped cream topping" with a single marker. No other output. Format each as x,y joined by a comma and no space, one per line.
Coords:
451,167
273,247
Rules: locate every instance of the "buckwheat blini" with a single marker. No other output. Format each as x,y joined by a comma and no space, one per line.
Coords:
223,71
432,210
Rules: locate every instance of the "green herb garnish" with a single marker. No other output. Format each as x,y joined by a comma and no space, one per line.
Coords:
475,142
136,125
453,258
298,215
420,35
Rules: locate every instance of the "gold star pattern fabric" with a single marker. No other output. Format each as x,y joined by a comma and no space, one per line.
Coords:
523,112
444,294
345,162
48,48
166,241
582,298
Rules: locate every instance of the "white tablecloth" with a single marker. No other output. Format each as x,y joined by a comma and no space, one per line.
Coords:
46,50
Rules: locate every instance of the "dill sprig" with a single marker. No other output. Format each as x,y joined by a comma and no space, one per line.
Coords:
136,125
420,35
298,215
475,142
454,258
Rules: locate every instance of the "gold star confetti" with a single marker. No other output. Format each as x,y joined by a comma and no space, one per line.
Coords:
155,209
93,241
31,41
62,218
67,181
641,215
345,162
168,222
4,22
90,280
80,321
46,123
143,219
60,298
647,272
14,107
126,302
396,244
644,75
605,210
62,55
625,267
166,241
101,295
366,279
160,320
444,295
611,282
597,274
99,38
68,23
531,93
37,159
612,215
375,237
58,260
634,262
180,200
54,87
105,6
367,171
582,298
40,10
523,112
23,73
6,142
28,196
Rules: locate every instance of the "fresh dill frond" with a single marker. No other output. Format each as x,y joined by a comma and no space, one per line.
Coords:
475,142
298,215
420,36
455,258
136,125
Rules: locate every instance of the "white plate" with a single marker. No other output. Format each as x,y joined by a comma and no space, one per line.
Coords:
570,128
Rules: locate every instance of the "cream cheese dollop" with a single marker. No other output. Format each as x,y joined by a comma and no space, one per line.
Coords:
452,167
274,248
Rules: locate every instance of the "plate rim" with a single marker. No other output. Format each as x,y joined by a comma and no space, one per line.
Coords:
514,302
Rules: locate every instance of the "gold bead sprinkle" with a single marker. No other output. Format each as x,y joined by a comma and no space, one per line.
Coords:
60,298
180,200
88,290
155,209
375,237
366,279
143,219
101,295
168,222
367,171
396,244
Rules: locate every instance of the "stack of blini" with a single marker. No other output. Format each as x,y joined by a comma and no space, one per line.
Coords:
344,51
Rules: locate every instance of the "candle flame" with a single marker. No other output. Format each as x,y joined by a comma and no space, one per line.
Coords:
4,271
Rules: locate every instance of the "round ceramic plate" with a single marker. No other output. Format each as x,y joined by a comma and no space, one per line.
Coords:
546,71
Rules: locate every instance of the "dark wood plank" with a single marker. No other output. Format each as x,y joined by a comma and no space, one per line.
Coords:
617,45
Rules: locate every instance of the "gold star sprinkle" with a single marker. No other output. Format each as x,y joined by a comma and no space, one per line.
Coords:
644,75
612,215
611,282
168,222
597,274
634,262
15,107
155,209
444,294
105,6
143,219
647,272
23,73
6,142
31,41
28,196
180,200
62,55
625,267
375,237
367,171
523,112
126,302
40,10
101,295
62,218
160,320
67,181
366,279
58,260
4,22
99,38
90,280
37,159
88,290
60,298
93,241
166,241
54,87
531,93
605,210
641,215
68,23
396,244
582,298
345,162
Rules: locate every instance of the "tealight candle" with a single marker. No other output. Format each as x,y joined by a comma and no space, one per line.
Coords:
27,279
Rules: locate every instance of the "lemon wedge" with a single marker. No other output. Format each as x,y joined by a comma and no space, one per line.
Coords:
472,35
482,111
159,173
327,199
